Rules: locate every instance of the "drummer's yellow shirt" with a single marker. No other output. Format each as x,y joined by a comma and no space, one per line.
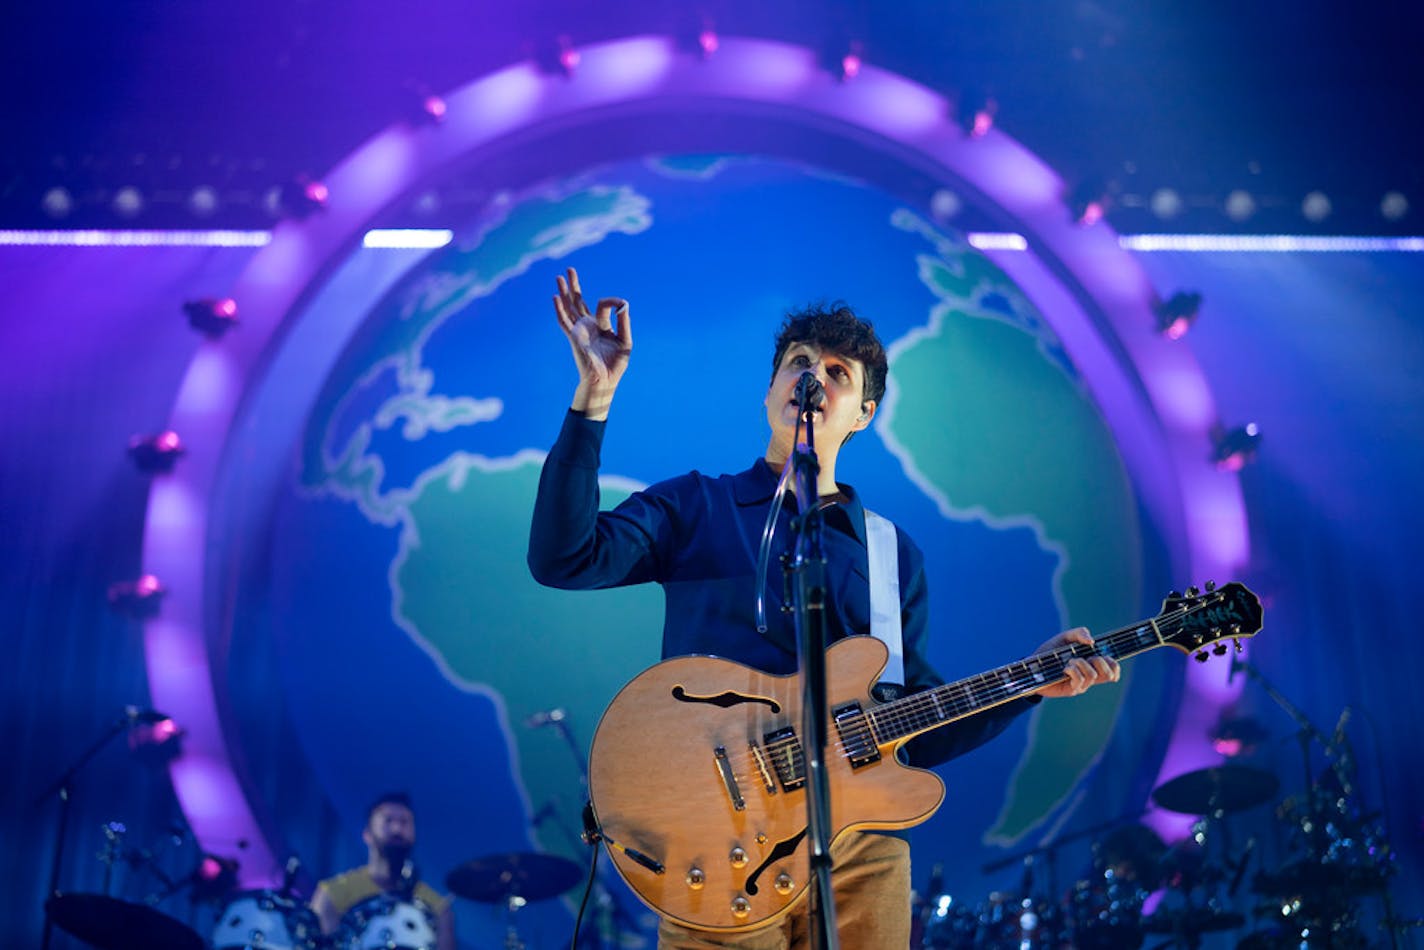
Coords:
349,889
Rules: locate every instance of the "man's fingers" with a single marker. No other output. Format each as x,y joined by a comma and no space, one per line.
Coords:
625,327
566,322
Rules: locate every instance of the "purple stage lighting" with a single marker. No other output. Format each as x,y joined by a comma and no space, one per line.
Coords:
156,743
1177,313
138,598
212,316
976,113
1234,449
156,454
302,197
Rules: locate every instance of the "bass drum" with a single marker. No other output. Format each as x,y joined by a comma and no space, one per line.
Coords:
385,922
266,919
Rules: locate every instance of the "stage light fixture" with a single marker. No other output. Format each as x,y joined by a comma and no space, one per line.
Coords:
156,454
1394,206
212,316
1240,205
302,197
1088,202
975,112
1237,736
157,742
203,201
1166,203
128,202
1316,207
1177,313
1234,449
214,877
138,598
844,60
57,202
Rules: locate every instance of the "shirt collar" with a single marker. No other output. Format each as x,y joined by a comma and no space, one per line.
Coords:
756,485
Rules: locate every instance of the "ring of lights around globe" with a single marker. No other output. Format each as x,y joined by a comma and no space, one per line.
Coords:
1150,390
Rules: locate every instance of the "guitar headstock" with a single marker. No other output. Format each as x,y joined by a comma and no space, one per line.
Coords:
1196,620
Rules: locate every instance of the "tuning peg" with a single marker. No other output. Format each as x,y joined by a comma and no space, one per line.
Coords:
1219,649
1210,586
1174,595
1235,629
1200,657
1239,647
1192,592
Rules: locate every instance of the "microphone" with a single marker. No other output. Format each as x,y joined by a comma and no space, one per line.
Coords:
810,394
409,876
289,874
546,718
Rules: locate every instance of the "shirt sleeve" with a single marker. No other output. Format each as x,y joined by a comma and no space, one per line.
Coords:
573,545
955,739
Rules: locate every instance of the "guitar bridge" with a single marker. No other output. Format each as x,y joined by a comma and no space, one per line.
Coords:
856,738
729,779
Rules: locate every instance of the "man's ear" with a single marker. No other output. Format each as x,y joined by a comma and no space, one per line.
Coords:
867,413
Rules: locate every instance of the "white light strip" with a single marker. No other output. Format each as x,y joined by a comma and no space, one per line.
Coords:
136,238
1265,242
408,238
993,241
431,238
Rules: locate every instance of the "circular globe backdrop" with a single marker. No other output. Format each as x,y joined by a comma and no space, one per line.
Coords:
384,608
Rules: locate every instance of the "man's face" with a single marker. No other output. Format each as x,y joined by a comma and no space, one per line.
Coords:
391,829
845,409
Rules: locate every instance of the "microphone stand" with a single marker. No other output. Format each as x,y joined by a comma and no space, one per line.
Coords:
807,569
64,788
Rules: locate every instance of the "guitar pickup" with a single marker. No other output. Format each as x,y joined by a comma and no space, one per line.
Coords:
856,738
787,760
729,779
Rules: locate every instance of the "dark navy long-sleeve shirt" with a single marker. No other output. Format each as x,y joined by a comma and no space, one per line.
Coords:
698,536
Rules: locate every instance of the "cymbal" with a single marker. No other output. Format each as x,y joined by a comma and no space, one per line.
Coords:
498,877
113,924
1223,788
1191,921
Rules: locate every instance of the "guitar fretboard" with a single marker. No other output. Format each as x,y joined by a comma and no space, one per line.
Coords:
925,710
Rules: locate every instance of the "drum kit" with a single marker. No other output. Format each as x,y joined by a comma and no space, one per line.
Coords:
1141,892
280,920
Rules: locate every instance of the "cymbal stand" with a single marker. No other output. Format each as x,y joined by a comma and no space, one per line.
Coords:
63,787
607,908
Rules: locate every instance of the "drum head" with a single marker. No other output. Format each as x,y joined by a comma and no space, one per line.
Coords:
266,919
385,922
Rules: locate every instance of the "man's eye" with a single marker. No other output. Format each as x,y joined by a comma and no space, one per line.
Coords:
840,373
800,360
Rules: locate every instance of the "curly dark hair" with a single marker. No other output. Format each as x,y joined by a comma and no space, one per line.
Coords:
837,328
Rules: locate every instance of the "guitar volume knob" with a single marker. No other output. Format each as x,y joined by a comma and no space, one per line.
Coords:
696,878
741,907
783,883
738,857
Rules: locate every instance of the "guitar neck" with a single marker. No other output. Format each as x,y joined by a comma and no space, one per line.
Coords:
926,710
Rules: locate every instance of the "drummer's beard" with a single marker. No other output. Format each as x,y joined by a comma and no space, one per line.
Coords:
396,854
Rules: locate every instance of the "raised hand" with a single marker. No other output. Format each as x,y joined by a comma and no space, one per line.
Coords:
1082,674
600,349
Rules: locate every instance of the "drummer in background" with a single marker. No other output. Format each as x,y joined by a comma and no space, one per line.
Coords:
390,839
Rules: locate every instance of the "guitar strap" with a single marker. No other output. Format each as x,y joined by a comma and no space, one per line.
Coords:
883,559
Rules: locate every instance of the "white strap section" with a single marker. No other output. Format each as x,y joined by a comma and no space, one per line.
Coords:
883,556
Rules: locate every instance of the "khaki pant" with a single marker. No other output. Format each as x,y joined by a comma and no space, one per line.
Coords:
870,875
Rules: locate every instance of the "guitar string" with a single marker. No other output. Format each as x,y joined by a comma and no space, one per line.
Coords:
926,708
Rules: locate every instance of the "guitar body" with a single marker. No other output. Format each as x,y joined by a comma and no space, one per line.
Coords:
697,777
660,785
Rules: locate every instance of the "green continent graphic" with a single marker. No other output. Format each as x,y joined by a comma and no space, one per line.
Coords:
467,527
985,379
464,522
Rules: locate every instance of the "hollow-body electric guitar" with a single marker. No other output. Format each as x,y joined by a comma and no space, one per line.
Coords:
696,772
